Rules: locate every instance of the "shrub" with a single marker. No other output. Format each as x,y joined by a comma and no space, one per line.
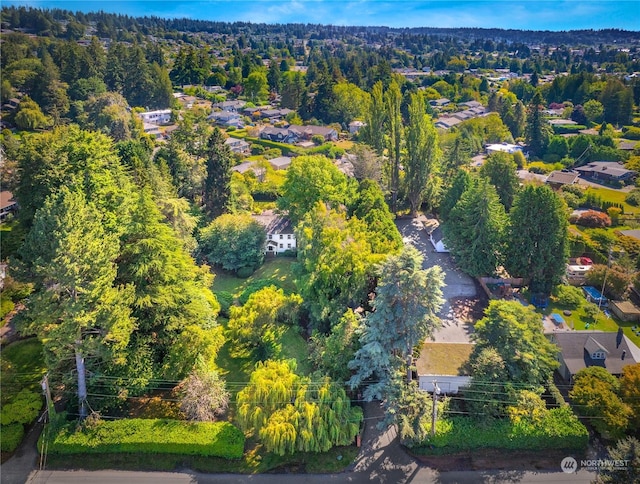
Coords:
631,132
592,218
569,296
633,197
559,428
155,436
6,306
23,409
225,299
257,149
11,437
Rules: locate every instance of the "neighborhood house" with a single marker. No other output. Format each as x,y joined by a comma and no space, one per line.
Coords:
582,349
280,235
162,116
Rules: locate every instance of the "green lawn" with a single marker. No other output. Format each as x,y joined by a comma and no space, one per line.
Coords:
616,196
277,270
22,365
578,321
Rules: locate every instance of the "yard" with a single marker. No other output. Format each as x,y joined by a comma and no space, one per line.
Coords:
277,271
615,196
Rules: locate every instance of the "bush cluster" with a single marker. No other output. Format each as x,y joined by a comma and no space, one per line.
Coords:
157,436
11,437
592,218
558,429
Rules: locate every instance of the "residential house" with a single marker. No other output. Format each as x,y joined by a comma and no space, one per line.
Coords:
447,122
246,166
280,234
502,148
237,145
445,364
226,118
355,126
559,178
439,103
582,349
7,204
280,135
230,106
609,171
561,122
162,116
308,132
280,163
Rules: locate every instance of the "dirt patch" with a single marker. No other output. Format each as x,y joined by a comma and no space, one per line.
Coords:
491,459
469,309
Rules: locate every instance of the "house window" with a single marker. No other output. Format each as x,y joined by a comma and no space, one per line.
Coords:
281,246
288,246
270,248
598,355
270,237
289,236
281,237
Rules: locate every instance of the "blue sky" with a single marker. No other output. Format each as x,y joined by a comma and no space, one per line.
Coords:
523,14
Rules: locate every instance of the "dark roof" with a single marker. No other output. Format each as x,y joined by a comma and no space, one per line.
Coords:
562,177
274,223
611,168
576,348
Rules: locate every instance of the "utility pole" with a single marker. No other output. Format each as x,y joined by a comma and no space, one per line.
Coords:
434,414
46,389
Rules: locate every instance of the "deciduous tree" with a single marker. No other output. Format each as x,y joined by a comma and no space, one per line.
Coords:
595,395
234,242
421,165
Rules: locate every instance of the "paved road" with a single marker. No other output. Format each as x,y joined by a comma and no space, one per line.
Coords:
381,460
458,284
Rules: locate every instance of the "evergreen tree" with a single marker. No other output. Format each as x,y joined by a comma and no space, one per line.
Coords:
537,244
217,184
404,313
421,165
77,311
474,230
173,303
537,131
501,170
460,184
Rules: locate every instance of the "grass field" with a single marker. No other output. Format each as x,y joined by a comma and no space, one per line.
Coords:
443,358
22,365
276,270
616,196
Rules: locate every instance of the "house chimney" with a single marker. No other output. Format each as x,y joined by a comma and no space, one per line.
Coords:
624,353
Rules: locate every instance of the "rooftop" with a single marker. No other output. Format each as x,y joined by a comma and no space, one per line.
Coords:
443,358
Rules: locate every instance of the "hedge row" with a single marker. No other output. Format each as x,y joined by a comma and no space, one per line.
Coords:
558,429
11,436
157,436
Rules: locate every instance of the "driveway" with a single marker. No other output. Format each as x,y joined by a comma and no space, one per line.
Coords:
458,284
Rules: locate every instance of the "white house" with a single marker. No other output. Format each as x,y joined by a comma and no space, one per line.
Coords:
280,234
355,126
503,148
444,364
237,145
162,116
